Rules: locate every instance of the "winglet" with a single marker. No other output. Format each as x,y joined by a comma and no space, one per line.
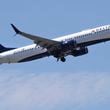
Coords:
15,29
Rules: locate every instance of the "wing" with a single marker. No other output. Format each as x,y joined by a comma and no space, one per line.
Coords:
43,42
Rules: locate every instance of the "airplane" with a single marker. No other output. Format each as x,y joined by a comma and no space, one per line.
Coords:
75,44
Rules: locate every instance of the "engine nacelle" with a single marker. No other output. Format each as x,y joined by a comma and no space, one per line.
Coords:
81,51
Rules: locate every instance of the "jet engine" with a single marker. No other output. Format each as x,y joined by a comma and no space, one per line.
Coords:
79,52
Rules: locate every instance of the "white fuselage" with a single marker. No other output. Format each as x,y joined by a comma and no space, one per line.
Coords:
18,54
87,36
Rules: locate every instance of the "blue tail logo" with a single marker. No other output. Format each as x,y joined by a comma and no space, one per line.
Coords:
4,49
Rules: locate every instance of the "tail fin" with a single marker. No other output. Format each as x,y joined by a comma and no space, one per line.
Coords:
1,46
3,49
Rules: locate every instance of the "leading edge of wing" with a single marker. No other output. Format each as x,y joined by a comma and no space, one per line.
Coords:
44,42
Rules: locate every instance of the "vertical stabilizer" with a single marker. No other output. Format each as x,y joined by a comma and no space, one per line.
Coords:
3,49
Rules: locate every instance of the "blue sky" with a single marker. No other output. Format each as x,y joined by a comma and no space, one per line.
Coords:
80,83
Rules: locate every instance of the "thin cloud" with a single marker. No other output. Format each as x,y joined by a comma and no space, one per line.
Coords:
53,91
